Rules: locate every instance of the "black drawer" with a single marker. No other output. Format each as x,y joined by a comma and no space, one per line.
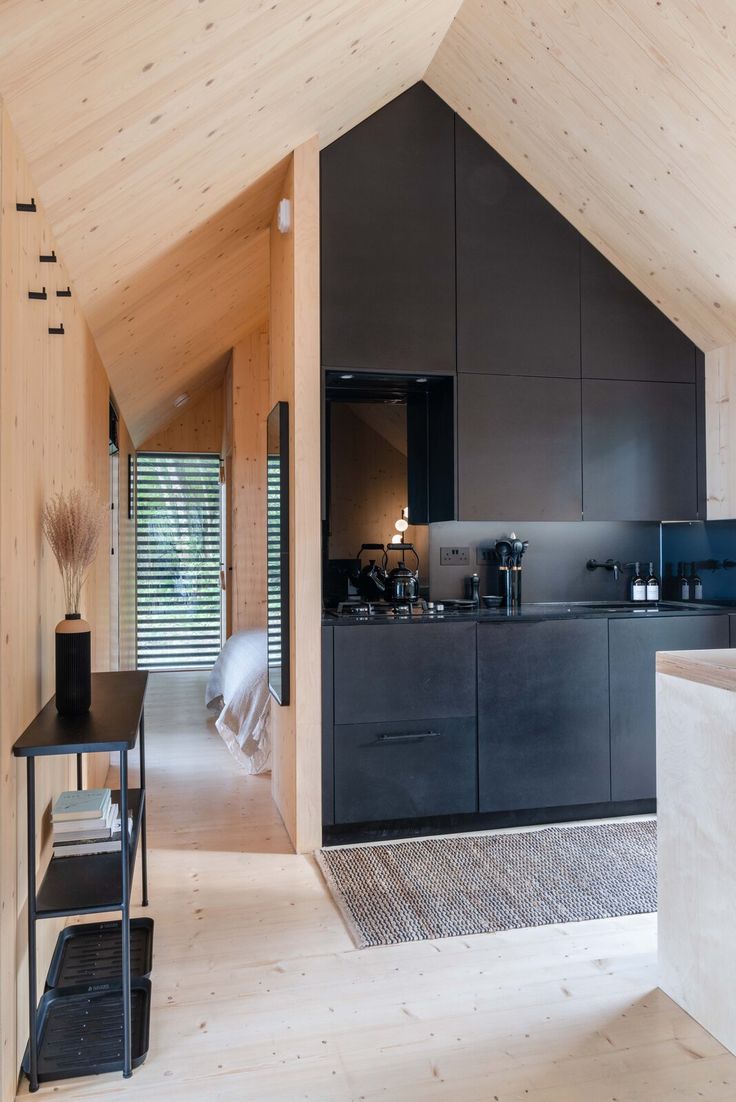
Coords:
402,770
388,672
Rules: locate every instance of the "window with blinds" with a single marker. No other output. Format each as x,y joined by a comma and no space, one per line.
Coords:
178,553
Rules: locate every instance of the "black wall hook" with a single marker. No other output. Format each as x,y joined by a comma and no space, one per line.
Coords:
30,207
64,294
47,258
56,328
38,294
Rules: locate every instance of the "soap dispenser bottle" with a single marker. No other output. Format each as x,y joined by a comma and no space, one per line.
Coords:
652,584
638,585
696,585
683,584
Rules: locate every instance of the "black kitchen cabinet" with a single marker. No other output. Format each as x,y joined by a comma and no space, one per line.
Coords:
518,270
639,450
405,769
328,721
518,448
388,240
543,732
623,334
397,673
633,647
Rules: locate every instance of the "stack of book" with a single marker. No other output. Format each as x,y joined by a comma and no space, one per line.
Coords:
86,822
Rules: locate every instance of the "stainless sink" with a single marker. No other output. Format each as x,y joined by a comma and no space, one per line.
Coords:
607,606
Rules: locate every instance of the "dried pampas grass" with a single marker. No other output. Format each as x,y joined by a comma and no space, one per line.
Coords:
72,523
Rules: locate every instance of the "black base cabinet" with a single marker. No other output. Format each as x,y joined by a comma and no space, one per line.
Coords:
564,717
633,648
405,721
387,673
543,738
328,727
405,770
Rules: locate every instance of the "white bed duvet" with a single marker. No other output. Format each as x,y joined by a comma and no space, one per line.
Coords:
238,686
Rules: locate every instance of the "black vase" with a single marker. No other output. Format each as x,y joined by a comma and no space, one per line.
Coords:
73,665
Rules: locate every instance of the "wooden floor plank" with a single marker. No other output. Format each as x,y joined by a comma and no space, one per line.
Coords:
259,994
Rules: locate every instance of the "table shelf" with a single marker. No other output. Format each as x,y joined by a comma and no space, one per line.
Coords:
88,883
91,883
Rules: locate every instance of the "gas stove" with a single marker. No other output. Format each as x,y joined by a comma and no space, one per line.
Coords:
380,610
384,610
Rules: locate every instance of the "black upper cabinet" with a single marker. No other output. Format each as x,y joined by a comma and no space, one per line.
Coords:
518,448
388,240
639,451
518,271
623,334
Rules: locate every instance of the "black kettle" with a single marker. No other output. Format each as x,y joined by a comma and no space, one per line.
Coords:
371,580
403,583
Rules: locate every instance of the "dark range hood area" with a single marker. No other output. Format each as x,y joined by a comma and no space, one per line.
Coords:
489,376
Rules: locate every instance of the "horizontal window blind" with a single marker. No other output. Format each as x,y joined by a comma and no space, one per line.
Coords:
178,550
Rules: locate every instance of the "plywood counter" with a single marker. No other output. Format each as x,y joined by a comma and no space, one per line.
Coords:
696,807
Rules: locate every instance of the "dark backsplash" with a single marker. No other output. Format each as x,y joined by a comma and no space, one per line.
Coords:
554,565
700,542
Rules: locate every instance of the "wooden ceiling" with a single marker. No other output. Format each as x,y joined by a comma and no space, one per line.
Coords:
145,122
621,112
157,132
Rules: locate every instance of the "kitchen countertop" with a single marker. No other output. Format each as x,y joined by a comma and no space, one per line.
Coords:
530,613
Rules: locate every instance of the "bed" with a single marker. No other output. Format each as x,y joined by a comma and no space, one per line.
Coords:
237,689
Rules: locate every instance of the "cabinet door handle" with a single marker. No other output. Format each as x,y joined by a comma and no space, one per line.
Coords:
410,736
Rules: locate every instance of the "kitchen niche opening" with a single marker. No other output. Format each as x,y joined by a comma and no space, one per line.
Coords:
389,462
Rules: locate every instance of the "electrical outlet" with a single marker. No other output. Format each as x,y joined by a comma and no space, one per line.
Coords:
484,555
454,556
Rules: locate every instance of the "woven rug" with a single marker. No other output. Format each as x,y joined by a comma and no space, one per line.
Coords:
481,883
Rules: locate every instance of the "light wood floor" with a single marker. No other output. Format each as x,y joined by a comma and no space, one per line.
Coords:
260,997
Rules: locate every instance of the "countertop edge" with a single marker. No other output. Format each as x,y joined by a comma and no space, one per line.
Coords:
715,668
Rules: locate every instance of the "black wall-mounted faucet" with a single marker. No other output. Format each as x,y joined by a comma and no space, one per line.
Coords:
609,564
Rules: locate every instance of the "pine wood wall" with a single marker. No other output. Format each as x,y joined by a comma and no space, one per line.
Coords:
126,552
295,378
53,434
248,377
198,428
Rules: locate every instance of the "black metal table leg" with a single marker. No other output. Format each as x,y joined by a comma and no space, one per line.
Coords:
125,914
144,844
79,773
31,906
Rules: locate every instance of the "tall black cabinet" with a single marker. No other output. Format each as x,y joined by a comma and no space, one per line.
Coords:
388,240
576,397
518,270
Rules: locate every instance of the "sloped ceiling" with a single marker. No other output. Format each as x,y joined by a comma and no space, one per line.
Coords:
144,121
622,113
156,132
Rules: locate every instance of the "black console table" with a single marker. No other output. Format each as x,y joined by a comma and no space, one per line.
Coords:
100,882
